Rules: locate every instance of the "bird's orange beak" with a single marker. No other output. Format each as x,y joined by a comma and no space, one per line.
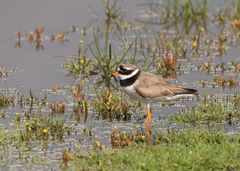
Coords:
115,74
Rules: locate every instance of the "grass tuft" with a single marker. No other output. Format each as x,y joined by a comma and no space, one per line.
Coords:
186,150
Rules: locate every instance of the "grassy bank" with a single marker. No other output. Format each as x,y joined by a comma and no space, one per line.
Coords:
185,150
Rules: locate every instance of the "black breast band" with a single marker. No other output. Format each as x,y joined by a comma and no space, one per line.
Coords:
130,81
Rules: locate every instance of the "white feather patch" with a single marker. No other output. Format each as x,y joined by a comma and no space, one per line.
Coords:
124,77
129,90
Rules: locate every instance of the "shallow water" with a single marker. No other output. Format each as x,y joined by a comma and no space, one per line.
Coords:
40,70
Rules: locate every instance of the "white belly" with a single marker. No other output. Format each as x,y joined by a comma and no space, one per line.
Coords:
133,94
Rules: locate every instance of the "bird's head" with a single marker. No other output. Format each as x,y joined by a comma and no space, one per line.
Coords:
125,71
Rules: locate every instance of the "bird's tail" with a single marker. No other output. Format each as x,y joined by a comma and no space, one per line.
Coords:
190,91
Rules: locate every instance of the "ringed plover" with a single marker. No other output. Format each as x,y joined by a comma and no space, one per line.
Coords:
148,88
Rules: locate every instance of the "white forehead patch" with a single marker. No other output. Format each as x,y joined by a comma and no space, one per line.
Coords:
126,67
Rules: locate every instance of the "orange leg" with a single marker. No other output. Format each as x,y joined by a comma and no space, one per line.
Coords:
148,121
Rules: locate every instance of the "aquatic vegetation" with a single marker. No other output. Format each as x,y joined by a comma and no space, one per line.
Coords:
124,139
183,15
233,8
173,38
222,81
62,37
211,67
66,157
237,67
208,114
37,37
31,131
5,73
82,105
221,44
57,108
78,93
207,66
167,65
6,101
228,17
194,14
112,106
80,64
106,60
235,24
32,101
44,128
236,102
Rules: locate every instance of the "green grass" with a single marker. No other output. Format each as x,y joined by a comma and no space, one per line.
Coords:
186,150
206,114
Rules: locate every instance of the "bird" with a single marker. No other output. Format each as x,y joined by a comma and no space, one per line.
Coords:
149,88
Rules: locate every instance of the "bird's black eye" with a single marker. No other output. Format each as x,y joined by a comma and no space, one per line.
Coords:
122,68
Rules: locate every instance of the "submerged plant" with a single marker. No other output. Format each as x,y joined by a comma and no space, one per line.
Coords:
111,106
44,128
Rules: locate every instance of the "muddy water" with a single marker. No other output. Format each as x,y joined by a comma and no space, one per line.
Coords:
39,70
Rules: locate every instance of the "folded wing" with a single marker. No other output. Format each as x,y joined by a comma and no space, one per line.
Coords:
152,86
